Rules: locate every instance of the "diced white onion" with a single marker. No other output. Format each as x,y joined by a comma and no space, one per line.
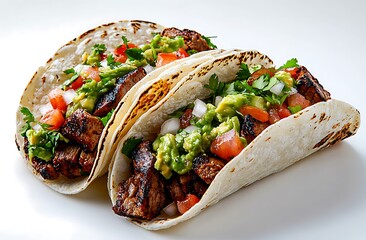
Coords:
69,96
45,108
37,127
200,108
277,89
148,68
218,99
171,125
190,128
104,63
292,91
171,210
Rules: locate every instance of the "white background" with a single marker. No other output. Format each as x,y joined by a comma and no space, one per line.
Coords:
322,197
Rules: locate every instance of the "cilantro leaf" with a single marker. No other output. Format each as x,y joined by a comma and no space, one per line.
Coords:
69,81
243,73
215,86
111,62
134,54
106,118
98,49
295,109
209,43
261,82
70,70
28,116
125,41
130,145
289,64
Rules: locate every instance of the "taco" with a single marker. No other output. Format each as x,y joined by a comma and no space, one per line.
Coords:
70,110
230,122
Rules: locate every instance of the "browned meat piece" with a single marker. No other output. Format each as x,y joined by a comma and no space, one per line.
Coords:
192,39
143,194
110,100
185,119
142,158
86,161
83,128
310,88
181,185
207,167
251,128
66,160
45,169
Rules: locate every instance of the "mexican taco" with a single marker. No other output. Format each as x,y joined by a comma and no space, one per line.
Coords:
233,120
70,110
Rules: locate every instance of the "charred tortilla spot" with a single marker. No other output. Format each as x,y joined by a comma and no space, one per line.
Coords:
345,132
314,116
322,117
136,26
251,160
324,140
107,24
43,79
269,138
123,29
335,125
86,33
232,170
49,60
88,41
148,99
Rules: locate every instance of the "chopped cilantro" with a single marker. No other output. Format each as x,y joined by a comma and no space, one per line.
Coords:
70,70
98,49
191,52
243,73
209,43
134,54
261,82
69,81
130,145
106,118
215,86
289,64
295,109
111,62
125,41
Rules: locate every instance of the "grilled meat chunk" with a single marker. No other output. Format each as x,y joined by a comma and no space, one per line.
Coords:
143,194
142,158
86,161
192,39
181,185
110,100
310,88
66,160
251,128
207,167
45,169
83,128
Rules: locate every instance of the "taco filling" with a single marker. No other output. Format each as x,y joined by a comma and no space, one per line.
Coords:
172,172
62,137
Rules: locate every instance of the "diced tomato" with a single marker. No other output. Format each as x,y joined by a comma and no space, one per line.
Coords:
298,99
283,111
92,73
227,146
293,71
120,58
257,113
185,119
103,56
260,72
181,53
273,116
278,112
165,58
122,49
77,83
187,203
57,100
54,118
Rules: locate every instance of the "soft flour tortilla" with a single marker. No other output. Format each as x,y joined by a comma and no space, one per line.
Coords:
305,132
51,76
